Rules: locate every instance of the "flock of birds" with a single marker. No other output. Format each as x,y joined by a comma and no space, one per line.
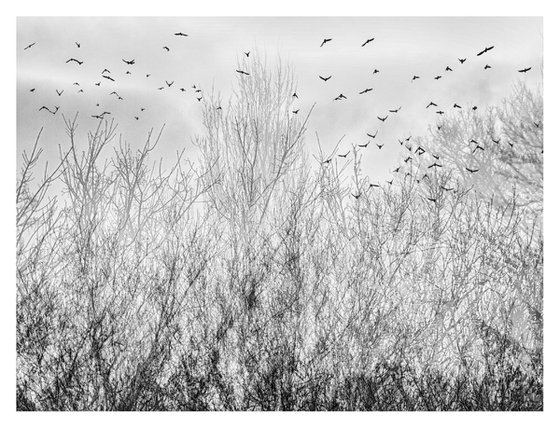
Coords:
406,142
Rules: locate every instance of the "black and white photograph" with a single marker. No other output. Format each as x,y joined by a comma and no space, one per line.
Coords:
279,213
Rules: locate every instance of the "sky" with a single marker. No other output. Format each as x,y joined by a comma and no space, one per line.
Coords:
210,54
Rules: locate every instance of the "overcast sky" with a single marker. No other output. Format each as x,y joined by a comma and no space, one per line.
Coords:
208,57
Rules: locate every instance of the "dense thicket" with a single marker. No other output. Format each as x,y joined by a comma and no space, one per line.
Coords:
253,280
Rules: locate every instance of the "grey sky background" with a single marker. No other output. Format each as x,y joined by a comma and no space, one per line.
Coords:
208,57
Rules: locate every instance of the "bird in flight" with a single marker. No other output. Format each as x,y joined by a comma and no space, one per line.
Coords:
447,189
325,41
485,50
408,159
324,79
130,62
161,88
343,156
32,90
472,171
295,111
199,99
431,199
439,112
59,93
431,104
166,48
365,91
495,141
456,106
148,75
524,70
169,84
49,110
98,84
380,146
74,60
364,145
29,46
242,72
383,119
182,89
105,71
136,117
109,78
340,97
372,135
356,196
294,95
415,77
395,110
77,44
247,54
374,185
478,148
128,72
390,182
181,34
435,165
375,71
474,108
448,68
437,77
486,67
462,60
368,41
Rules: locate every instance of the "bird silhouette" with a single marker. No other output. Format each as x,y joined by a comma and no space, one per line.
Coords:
148,75
448,68
108,78
408,159
435,156
457,106
356,196
324,79
439,127
395,110
129,62
472,171
383,119
447,189
161,88
397,169
368,41
525,70
325,41
365,91
374,185
32,90
486,67
74,60
105,71
182,89
343,156
340,97
29,46
415,77
439,112
485,50
242,72
199,99
495,141
59,93
136,117
114,93
98,84
181,34
437,77
294,95
372,135
390,182
128,72
49,110
435,165
166,48
431,199
380,146
364,145
327,161
77,44
295,111
169,84
475,108
375,71
431,104
462,60
478,148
